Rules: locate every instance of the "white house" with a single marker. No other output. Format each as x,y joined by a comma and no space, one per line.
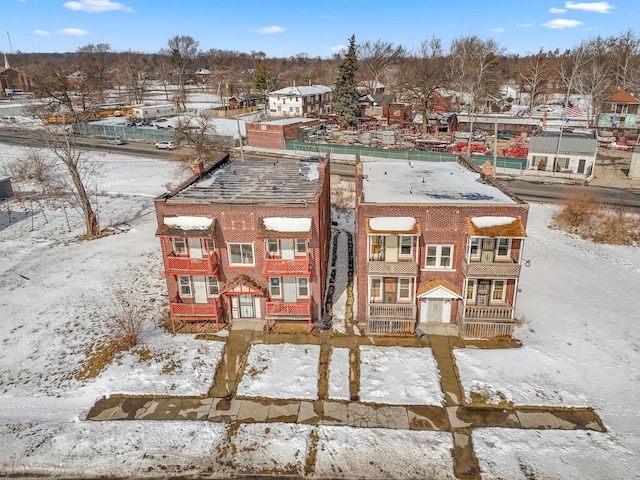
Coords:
309,101
566,152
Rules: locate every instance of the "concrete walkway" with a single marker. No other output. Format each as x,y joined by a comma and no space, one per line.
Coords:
455,415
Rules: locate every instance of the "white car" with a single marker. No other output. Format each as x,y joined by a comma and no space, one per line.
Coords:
166,145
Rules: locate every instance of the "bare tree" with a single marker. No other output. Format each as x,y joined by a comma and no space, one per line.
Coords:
623,52
570,66
423,73
199,131
182,52
133,69
377,57
94,62
594,79
534,75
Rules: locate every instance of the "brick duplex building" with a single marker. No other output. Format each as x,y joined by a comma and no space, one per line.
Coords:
438,244
247,240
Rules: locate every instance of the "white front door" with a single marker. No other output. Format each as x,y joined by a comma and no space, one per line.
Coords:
199,290
195,247
289,290
434,310
286,244
246,306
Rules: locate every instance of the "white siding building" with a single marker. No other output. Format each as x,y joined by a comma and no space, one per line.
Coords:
572,153
307,101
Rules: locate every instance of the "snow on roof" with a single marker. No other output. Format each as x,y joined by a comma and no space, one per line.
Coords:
402,224
188,222
418,182
486,222
287,224
302,91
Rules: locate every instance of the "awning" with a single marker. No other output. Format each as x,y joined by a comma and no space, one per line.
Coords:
284,227
393,225
186,226
438,288
496,227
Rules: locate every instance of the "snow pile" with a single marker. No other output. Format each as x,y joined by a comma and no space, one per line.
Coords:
487,222
387,224
189,223
287,224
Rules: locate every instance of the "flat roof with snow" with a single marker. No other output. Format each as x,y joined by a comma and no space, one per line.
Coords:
259,181
402,182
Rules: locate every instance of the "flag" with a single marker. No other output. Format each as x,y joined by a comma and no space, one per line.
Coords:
573,110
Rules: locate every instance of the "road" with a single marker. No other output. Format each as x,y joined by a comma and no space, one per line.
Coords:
526,190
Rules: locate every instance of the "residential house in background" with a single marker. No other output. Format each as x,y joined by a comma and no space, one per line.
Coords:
305,101
12,80
370,87
620,111
572,152
439,247
247,240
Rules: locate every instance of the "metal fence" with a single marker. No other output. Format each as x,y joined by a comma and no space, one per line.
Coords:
335,149
137,133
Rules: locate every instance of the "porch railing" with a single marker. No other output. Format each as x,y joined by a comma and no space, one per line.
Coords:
194,310
491,270
492,312
276,310
377,326
392,310
296,266
478,330
392,268
192,265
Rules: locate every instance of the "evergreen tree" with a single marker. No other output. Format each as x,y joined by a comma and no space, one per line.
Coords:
345,94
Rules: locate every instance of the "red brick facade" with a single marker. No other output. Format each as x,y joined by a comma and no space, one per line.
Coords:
241,223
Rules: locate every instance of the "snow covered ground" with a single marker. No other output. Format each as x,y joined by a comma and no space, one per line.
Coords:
580,336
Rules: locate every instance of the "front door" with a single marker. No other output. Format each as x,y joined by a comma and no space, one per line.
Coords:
246,306
435,310
286,244
199,290
391,249
390,295
581,164
289,290
484,286
195,247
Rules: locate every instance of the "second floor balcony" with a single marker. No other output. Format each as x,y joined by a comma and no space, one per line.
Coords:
392,269
184,264
296,266
500,269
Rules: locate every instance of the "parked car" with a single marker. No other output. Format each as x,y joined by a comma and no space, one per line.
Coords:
506,135
166,145
116,141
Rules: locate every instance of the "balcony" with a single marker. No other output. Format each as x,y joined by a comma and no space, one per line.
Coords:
175,264
194,311
288,311
491,270
286,267
377,326
392,310
392,269
491,312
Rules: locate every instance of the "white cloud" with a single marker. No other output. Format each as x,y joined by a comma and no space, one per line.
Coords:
96,6
497,30
557,10
339,48
272,29
78,32
562,23
525,25
598,7
41,33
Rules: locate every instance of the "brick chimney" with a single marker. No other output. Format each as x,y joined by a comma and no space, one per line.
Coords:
197,166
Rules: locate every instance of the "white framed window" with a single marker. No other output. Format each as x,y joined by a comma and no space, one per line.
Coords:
375,289
439,256
406,246
503,248
498,291
474,248
241,254
179,245
303,287
563,163
471,290
184,286
273,249
301,246
404,289
376,247
213,286
274,287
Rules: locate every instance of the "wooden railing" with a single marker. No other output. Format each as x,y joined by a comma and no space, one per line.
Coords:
192,265
476,329
393,310
178,309
492,312
296,266
509,269
277,310
392,268
390,327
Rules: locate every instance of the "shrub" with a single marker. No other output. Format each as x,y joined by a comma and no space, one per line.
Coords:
127,321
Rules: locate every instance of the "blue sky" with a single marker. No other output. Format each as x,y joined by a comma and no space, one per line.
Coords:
286,28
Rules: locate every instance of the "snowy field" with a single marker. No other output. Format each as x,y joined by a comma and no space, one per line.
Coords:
580,337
